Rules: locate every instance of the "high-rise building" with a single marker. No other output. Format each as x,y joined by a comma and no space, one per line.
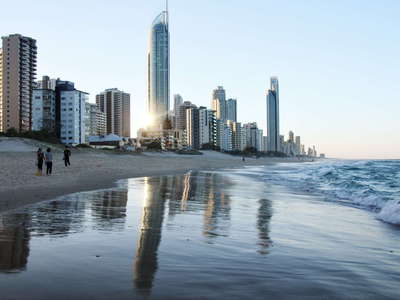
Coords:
212,128
197,127
273,115
218,103
44,109
96,120
181,115
18,72
72,117
204,126
192,128
298,145
178,100
231,110
236,129
116,106
158,70
291,137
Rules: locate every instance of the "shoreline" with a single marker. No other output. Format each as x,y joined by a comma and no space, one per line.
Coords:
91,170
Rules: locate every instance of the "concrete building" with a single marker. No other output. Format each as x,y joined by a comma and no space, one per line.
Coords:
44,110
204,126
298,145
192,128
197,127
251,134
158,71
265,143
17,73
178,100
181,115
231,110
73,116
236,130
259,140
212,128
116,106
96,120
273,115
218,103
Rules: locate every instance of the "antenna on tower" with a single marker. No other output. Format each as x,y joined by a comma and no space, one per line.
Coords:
166,10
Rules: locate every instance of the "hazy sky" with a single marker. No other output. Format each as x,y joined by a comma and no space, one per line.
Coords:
337,61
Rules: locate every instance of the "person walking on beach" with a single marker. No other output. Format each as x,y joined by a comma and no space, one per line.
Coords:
48,156
67,154
40,158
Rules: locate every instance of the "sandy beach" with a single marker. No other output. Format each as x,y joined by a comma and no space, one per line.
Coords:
92,169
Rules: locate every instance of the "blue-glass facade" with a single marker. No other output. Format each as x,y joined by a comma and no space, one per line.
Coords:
273,116
158,70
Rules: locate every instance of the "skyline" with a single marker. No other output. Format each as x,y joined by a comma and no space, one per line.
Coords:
350,79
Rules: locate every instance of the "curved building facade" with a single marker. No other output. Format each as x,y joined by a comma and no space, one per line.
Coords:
158,70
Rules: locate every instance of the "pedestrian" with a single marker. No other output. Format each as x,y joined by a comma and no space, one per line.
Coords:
243,158
67,154
48,156
40,158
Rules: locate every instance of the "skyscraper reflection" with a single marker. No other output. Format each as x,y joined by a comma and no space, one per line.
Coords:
156,191
109,209
263,219
14,243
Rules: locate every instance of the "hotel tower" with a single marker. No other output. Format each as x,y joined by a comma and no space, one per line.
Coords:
273,116
158,70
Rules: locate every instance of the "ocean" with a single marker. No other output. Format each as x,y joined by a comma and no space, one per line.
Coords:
368,184
322,230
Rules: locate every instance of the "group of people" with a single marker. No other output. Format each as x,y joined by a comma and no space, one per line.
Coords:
47,158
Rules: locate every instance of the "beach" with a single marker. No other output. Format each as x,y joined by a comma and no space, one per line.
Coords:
222,234
93,169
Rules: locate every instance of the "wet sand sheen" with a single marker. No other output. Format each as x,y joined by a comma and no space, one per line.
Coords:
213,235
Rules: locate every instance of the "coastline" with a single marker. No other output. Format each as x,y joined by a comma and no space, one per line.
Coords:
91,170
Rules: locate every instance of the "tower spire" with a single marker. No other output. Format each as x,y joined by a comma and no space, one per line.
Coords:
166,10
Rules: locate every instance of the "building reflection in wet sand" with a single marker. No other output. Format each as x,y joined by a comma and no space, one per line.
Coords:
109,209
188,193
150,232
263,220
14,243
197,191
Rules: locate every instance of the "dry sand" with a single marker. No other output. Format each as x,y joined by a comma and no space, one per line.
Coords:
92,169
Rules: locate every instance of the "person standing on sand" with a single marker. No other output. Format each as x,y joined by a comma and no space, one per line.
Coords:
67,154
48,156
40,158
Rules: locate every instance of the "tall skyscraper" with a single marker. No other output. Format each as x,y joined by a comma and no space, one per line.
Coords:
273,115
158,70
116,105
18,72
231,110
218,103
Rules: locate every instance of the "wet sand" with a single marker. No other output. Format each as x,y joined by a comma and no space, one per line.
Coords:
91,170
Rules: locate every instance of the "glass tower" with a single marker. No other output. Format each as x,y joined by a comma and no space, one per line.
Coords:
158,70
273,116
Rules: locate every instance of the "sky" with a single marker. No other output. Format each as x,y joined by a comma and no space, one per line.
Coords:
337,61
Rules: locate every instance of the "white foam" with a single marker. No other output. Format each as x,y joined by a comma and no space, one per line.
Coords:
390,213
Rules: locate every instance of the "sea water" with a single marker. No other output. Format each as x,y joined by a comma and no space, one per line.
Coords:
367,184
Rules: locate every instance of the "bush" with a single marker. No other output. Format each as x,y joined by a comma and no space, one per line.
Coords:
154,145
42,135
